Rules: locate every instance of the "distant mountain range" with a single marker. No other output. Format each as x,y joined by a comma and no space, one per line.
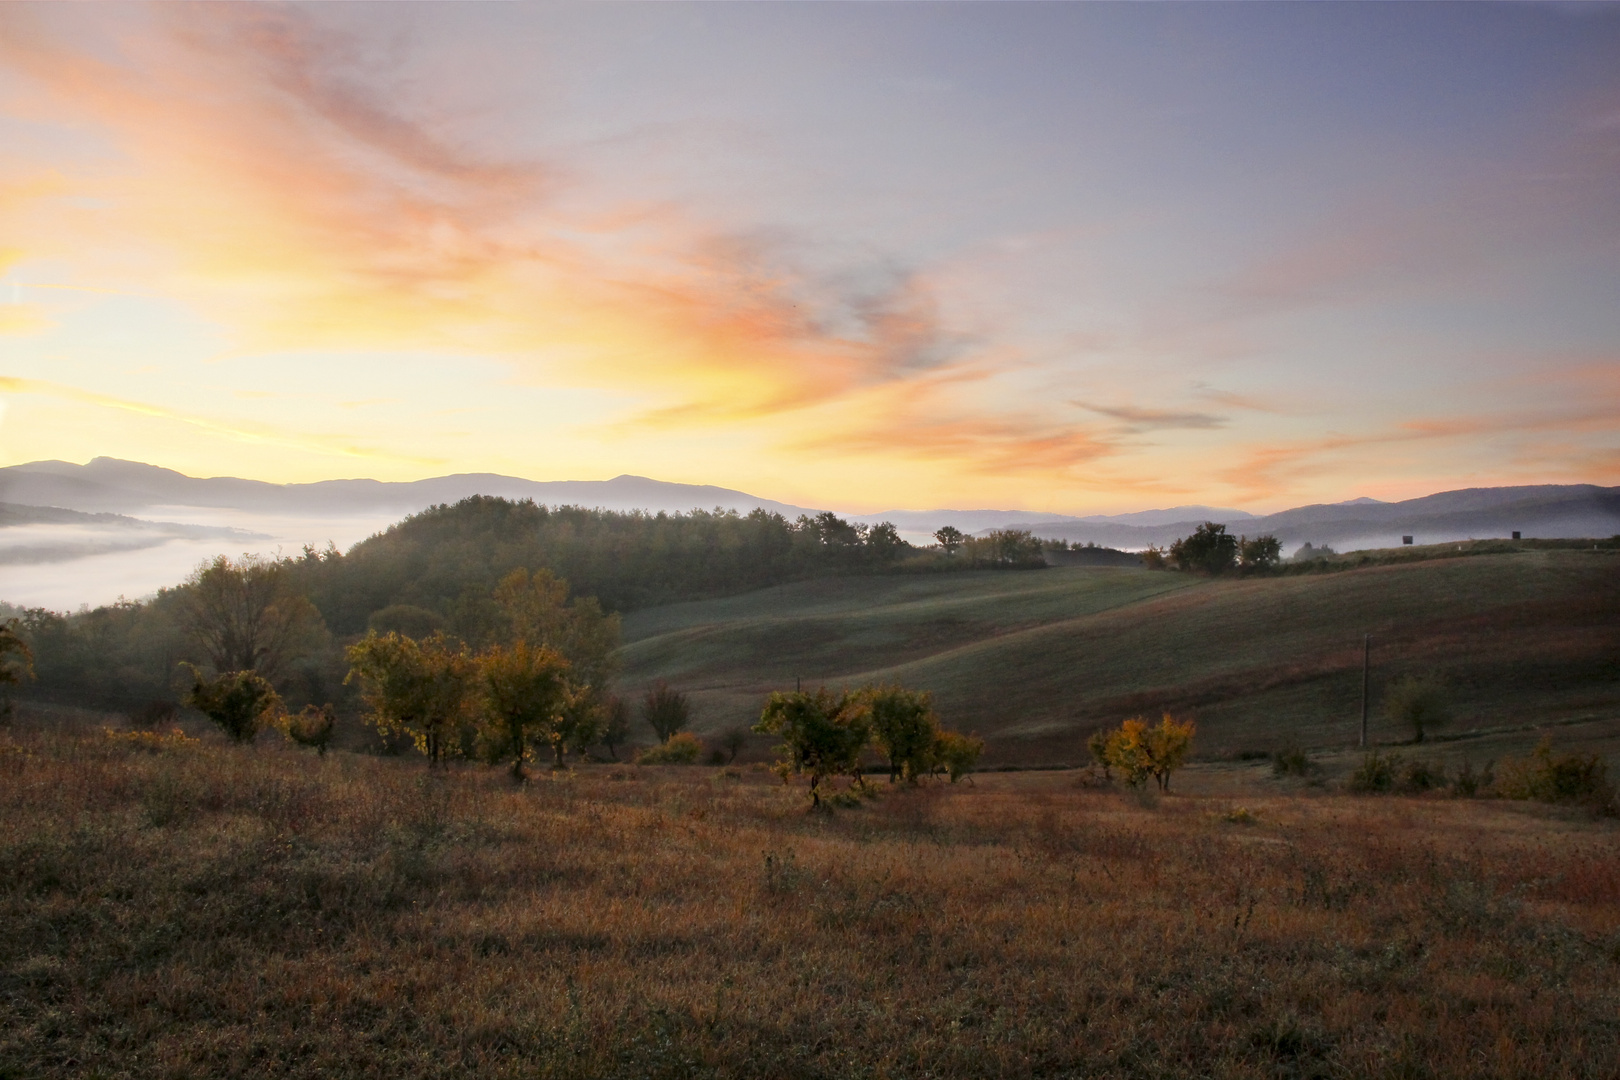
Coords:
130,487
110,485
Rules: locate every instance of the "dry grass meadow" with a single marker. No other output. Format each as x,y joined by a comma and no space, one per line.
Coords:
200,909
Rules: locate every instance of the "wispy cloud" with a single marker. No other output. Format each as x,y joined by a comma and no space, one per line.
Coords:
1137,420
1261,470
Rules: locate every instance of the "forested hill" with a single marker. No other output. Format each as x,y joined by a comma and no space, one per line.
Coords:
446,560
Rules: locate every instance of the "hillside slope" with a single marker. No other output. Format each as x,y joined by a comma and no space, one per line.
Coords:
1034,661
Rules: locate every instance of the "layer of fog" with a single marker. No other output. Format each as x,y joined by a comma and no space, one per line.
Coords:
66,567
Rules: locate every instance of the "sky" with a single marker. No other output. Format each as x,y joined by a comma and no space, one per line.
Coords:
1083,258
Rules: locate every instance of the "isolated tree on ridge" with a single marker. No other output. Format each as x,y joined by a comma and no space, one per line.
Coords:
1262,553
1210,549
950,538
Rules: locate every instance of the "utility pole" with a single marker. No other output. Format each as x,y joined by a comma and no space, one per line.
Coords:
1366,667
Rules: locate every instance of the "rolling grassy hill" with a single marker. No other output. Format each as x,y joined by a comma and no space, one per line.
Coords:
1035,661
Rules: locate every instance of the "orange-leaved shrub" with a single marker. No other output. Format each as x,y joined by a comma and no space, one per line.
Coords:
1139,750
681,748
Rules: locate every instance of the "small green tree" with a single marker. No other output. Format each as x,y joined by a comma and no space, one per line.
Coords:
242,703
905,729
1419,702
950,538
957,753
311,727
522,690
666,711
1209,550
420,688
822,734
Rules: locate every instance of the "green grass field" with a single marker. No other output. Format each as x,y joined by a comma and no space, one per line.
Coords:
1035,661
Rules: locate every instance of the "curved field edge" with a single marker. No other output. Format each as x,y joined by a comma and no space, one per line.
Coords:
1033,665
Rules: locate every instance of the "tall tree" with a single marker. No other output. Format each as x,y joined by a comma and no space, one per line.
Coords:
665,710
523,692
419,688
16,662
1262,553
537,610
246,616
904,727
615,724
1210,549
822,733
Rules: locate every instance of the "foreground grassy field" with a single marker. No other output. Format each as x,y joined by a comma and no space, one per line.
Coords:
208,910
1035,661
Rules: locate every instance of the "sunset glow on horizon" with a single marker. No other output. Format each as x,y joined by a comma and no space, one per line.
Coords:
1071,258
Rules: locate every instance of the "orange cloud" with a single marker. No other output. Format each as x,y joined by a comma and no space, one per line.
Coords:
300,209
1263,470
278,177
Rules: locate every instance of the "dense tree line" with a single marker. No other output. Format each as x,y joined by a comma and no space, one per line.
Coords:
997,549
439,571
447,559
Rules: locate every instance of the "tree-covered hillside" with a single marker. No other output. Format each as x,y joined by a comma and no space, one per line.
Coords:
447,559
438,571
